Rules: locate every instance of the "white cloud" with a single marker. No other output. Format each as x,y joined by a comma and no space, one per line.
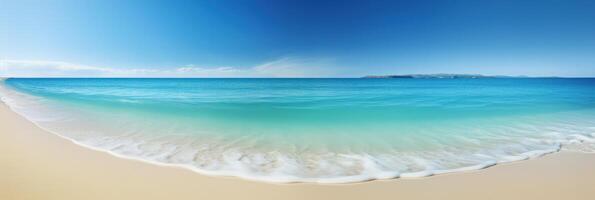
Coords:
296,67
205,71
47,68
284,67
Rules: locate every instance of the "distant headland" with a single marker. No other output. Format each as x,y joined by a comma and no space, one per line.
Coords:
443,76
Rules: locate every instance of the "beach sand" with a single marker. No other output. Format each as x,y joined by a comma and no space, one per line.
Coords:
35,164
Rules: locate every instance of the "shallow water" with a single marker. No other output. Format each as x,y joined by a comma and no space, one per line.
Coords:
315,130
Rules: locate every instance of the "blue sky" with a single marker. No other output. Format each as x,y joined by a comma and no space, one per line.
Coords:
298,38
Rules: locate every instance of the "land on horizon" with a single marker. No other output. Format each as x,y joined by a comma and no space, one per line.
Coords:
456,76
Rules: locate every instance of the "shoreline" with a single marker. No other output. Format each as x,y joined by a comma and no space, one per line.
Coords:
414,175
24,138
346,180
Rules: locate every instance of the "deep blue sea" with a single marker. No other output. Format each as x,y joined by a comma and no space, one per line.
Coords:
315,130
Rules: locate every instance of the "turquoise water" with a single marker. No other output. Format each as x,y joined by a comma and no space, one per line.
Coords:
315,130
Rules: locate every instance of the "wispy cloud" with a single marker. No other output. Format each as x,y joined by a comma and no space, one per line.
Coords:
296,67
283,67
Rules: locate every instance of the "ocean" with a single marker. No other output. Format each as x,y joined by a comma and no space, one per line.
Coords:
314,130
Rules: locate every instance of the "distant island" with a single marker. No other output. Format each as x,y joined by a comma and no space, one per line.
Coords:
443,76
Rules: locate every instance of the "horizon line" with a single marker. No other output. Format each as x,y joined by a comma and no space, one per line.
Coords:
329,77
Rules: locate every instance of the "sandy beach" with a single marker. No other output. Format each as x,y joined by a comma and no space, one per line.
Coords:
35,164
